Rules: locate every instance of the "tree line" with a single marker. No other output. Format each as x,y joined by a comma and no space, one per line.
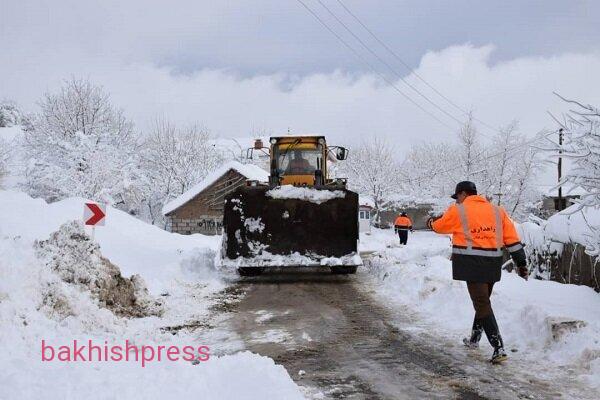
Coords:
79,144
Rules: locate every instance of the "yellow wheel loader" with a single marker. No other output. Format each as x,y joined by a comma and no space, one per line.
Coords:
300,218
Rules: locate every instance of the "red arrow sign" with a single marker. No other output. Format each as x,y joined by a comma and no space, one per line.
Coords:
93,214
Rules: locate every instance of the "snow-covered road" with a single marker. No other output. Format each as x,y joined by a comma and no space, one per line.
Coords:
390,331
394,329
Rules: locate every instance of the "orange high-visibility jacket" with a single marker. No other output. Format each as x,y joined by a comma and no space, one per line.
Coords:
403,223
478,228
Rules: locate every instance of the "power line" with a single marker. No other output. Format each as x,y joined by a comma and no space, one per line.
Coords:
371,67
363,44
409,68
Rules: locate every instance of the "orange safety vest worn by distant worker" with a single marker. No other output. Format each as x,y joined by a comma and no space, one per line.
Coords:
403,223
479,232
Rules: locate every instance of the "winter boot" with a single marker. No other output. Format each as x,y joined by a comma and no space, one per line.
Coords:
490,326
499,356
476,331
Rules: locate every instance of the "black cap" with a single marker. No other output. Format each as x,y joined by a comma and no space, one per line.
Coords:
464,186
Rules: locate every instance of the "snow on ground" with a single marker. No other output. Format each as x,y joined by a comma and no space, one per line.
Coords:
46,295
419,276
305,193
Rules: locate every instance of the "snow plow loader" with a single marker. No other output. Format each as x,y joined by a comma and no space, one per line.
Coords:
300,218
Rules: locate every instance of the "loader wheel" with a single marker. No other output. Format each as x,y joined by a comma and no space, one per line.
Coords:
344,270
250,271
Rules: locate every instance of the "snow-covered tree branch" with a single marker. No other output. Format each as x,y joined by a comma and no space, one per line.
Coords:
81,145
373,170
581,130
174,159
503,169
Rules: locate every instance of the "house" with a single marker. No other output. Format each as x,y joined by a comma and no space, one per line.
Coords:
551,202
200,209
365,214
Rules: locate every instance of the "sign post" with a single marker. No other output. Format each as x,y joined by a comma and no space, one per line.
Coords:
94,214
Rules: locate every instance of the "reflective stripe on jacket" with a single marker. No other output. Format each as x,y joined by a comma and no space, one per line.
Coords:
480,228
403,223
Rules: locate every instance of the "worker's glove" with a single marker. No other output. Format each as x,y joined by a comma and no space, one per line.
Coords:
523,272
411,230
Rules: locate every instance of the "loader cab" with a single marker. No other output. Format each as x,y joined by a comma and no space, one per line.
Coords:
298,160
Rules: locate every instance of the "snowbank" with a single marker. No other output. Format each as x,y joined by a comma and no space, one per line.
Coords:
26,318
565,247
135,246
573,225
419,276
53,287
250,171
305,193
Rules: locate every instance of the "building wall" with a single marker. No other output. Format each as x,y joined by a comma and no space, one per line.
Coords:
550,203
204,213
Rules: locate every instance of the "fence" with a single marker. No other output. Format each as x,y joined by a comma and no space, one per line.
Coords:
572,265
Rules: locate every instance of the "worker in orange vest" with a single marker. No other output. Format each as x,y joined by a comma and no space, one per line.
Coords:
480,230
402,225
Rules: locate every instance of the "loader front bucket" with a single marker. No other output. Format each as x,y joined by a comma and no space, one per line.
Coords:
261,229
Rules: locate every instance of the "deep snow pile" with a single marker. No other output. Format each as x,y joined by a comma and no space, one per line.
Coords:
305,193
58,286
419,276
572,225
136,247
545,241
77,260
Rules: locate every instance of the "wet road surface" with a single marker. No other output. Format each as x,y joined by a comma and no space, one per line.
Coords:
334,337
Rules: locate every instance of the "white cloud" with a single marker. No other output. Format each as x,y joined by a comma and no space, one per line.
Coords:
346,107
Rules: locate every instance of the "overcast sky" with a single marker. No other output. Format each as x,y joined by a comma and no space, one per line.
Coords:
243,66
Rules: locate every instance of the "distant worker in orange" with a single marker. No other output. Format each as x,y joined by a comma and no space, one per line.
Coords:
402,225
480,230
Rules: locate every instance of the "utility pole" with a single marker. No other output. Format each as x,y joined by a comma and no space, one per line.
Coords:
560,142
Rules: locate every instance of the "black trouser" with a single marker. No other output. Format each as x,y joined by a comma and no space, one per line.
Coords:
403,235
484,320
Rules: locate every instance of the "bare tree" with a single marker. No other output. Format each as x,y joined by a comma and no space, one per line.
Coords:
174,159
503,143
426,169
470,149
373,170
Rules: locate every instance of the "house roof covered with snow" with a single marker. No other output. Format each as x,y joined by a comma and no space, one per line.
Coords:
250,171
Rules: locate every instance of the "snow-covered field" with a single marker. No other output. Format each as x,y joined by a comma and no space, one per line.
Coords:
419,277
48,295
